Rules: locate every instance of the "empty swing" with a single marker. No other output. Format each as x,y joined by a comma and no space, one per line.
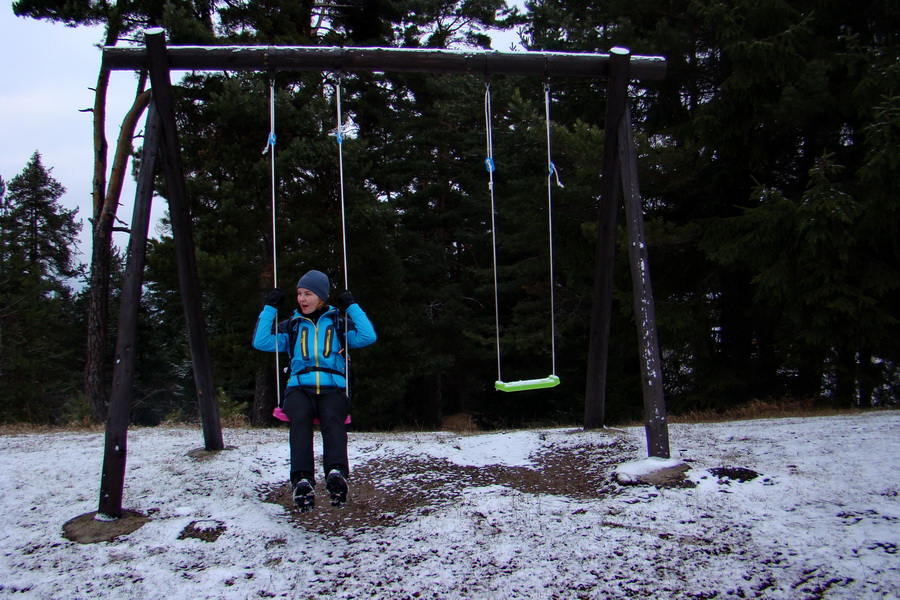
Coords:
551,380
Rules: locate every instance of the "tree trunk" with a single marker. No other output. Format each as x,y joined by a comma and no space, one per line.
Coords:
263,397
430,412
845,379
95,363
96,369
866,378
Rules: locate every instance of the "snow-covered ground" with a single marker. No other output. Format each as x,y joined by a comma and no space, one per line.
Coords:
515,514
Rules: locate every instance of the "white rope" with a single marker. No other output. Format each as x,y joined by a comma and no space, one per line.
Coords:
489,165
551,168
270,147
552,172
339,136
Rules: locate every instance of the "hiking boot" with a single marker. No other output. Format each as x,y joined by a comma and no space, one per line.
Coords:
304,495
336,484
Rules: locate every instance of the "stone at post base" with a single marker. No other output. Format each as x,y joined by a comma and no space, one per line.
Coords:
88,529
659,472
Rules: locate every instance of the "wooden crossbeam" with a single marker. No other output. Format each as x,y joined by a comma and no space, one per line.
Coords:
317,58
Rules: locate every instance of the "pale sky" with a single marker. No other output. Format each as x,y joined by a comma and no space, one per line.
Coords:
48,70
46,79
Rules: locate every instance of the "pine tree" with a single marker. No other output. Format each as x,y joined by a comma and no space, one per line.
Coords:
186,21
42,233
768,114
37,361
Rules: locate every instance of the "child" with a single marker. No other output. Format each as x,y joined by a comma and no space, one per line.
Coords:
314,339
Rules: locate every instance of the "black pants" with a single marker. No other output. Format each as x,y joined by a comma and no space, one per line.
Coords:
331,408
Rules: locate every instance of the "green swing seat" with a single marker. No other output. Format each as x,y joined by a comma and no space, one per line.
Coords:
551,380
527,384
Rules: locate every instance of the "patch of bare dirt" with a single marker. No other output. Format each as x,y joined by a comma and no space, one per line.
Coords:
384,492
204,454
85,529
740,474
207,530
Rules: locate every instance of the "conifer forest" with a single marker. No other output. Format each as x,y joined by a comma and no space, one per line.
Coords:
769,166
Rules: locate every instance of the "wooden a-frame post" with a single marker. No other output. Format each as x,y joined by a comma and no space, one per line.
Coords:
619,169
161,137
655,419
601,308
112,479
620,173
188,282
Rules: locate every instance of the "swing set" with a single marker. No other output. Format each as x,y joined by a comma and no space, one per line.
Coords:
551,380
161,142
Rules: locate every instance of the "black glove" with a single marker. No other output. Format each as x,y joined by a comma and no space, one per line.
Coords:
345,299
275,298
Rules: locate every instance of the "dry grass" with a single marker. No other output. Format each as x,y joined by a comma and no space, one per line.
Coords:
26,428
459,423
762,409
464,423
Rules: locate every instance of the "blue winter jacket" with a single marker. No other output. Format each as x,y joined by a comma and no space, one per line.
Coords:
317,358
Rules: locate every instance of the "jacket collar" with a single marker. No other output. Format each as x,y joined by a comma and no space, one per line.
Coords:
315,315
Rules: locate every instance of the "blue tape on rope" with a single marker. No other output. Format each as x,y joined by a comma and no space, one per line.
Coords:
272,138
552,168
339,137
489,164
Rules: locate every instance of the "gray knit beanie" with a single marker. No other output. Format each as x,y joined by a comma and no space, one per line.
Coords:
316,282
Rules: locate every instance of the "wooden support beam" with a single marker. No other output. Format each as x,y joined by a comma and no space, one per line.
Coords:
316,58
191,298
655,419
112,479
605,254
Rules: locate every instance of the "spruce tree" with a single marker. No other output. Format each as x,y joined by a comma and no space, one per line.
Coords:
42,233
768,114
37,325
186,21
